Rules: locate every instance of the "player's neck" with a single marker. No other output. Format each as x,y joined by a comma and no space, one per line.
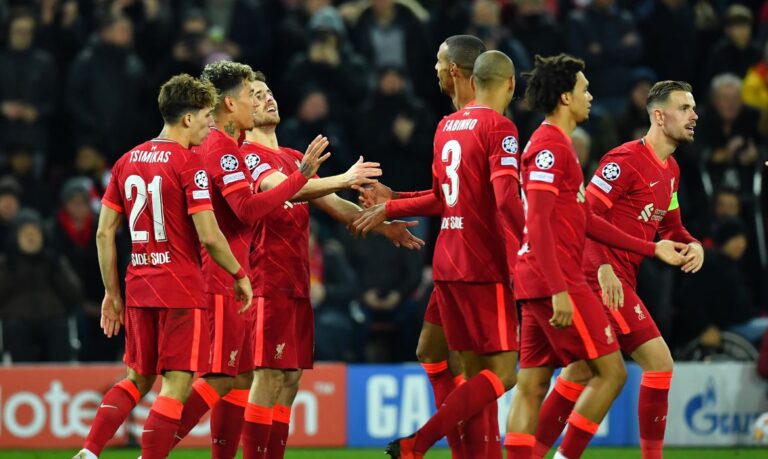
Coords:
663,147
462,93
228,126
263,135
491,100
563,120
175,133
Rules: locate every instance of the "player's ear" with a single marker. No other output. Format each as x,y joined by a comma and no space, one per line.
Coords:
472,83
186,120
512,83
565,98
453,69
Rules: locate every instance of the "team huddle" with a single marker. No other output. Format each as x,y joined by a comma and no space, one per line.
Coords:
218,283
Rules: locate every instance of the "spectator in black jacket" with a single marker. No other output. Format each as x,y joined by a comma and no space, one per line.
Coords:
735,53
10,193
27,86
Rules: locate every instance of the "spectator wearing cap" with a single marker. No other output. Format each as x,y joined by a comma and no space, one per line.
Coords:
330,65
717,298
395,129
735,53
73,236
10,193
39,290
27,86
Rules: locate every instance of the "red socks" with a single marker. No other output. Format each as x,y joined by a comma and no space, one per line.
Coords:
112,412
160,428
464,403
278,437
652,411
256,430
554,413
201,399
580,432
227,423
443,384
519,446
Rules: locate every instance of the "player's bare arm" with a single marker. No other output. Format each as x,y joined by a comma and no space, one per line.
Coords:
216,245
112,310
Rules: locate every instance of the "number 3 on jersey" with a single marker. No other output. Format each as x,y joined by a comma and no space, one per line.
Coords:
138,183
451,154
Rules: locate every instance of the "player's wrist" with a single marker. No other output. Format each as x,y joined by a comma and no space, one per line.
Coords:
240,274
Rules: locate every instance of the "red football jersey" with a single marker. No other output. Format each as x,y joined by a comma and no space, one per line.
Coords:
472,147
159,184
638,190
227,172
549,163
280,247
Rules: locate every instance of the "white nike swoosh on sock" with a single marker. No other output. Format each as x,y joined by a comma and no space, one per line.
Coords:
107,406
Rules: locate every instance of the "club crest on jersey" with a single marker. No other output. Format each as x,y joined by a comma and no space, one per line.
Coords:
229,163
251,161
611,171
201,179
509,144
545,159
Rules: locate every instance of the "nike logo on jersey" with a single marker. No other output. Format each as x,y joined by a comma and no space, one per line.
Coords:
653,184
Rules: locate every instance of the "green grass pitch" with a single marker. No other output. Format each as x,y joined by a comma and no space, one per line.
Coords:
592,453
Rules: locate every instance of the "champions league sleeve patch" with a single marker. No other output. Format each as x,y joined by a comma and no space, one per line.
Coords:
229,163
611,171
509,144
545,159
201,179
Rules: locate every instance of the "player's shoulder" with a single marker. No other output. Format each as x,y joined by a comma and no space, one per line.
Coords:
290,152
549,138
627,152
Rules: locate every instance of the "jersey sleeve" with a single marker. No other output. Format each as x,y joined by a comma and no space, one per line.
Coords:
226,169
195,182
503,150
112,197
546,168
612,180
262,168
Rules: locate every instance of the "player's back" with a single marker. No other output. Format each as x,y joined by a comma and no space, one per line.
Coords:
471,245
638,189
549,164
280,246
158,185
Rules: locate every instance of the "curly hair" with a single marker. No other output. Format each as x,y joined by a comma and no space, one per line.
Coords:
660,91
227,76
183,94
551,77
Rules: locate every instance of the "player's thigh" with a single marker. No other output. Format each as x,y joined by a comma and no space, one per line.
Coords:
577,372
229,336
283,333
654,355
432,346
183,341
142,340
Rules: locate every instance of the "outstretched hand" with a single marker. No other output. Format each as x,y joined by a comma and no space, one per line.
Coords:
397,232
313,157
369,219
376,193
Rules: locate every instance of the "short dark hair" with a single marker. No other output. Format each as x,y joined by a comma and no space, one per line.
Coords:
227,76
551,77
258,75
184,94
463,51
660,91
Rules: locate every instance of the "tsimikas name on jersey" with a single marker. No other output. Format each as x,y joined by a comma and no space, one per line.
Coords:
150,157
153,258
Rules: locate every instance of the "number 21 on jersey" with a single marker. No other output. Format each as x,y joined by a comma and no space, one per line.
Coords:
135,182
451,154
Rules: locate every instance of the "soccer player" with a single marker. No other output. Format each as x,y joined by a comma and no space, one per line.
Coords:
476,177
563,320
283,335
635,188
162,186
455,59
237,209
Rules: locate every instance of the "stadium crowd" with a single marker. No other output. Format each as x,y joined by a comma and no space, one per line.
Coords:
79,82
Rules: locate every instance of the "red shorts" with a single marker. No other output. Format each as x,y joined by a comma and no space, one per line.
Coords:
589,337
478,317
432,314
283,333
632,323
166,339
230,335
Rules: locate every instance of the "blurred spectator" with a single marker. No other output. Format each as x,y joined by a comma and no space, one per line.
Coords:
448,17
727,135
27,86
386,277
395,129
313,118
333,286
606,38
114,118
189,52
726,204
291,18
62,30
633,124
736,52
10,192
328,64
582,143
755,90
91,163
671,54
73,235
536,28
486,25
389,33
39,289
717,297
22,166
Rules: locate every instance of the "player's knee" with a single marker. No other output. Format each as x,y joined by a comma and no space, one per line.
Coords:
291,380
578,373
143,383
533,388
616,374
508,377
